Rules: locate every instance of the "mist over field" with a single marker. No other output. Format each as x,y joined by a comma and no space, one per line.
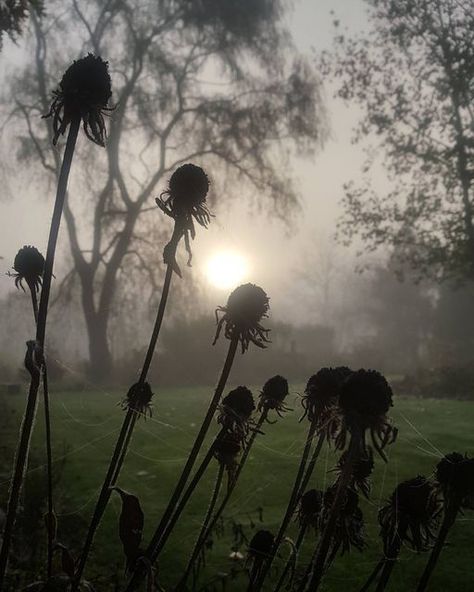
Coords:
236,235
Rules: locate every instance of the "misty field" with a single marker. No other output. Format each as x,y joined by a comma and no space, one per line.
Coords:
86,424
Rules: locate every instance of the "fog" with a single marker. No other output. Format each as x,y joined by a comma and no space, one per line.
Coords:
322,310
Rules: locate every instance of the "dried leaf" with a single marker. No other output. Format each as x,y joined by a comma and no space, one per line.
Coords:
130,524
68,565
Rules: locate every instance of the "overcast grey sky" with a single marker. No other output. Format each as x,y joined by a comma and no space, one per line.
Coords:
272,255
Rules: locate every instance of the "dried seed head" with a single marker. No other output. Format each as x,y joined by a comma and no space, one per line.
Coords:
139,399
273,394
349,530
410,515
184,201
322,390
455,476
261,545
236,410
226,451
364,400
239,402
28,266
188,186
362,469
245,308
310,506
84,92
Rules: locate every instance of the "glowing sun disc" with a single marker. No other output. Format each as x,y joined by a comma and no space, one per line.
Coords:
226,270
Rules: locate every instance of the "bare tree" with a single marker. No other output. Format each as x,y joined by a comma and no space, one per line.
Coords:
214,81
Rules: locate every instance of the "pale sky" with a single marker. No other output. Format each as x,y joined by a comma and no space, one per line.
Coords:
25,218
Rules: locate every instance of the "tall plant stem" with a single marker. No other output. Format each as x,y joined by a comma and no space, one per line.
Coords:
326,538
188,492
298,543
154,547
448,521
304,485
373,575
212,504
21,458
50,518
388,564
311,465
123,440
290,509
207,529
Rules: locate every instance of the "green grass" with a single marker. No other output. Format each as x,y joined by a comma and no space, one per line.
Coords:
85,427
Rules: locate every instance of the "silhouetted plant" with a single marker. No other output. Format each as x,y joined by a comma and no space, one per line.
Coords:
410,517
188,187
81,96
245,308
272,397
364,401
455,482
241,317
185,201
29,267
84,93
320,406
258,552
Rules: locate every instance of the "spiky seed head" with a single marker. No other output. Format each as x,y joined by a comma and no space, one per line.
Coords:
261,545
28,266
455,475
274,392
365,397
189,185
139,398
310,507
247,305
84,92
240,402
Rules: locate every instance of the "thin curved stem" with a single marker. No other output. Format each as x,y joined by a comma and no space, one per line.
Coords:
205,532
123,441
154,547
311,465
30,411
212,504
290,509
448,521
326,538
50,517
389,563
298,543
373,575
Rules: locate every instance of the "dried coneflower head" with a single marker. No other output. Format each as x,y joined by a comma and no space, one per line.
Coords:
320,399
84,93
309,508
260,545
273,395
185,201
365,400
29,267
139,399
226,450
245,308
410,516
349,529
361,470
236,410
455,478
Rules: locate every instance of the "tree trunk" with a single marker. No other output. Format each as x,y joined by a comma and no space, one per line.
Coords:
100,359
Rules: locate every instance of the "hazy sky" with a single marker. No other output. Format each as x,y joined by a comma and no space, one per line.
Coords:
271,254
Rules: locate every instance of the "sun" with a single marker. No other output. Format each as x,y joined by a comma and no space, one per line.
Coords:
226,269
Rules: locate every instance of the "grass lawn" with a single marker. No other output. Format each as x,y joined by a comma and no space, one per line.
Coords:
85,427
